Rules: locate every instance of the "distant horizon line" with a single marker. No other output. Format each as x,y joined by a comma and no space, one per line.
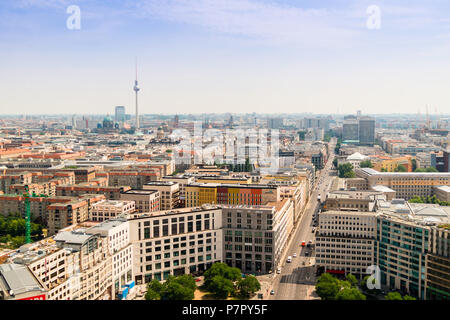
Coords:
222,113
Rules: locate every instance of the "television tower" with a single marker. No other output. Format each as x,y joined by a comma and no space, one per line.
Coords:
136,89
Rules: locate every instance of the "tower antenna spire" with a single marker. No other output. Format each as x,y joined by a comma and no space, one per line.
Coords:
136,90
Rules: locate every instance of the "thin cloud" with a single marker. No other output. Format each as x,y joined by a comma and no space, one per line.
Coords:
253,19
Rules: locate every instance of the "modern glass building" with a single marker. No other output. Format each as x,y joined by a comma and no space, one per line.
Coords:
401,250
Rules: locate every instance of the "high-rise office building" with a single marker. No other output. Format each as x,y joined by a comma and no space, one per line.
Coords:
275,123
360,129
350,130
120,114
366,131
322,123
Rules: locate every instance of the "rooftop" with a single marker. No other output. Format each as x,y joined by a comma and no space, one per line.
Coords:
17,278
444,188
204,207
73,237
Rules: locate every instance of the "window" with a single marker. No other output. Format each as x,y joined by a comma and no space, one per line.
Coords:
146,233
156,231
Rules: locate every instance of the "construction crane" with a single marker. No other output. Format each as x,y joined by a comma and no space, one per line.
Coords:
27,216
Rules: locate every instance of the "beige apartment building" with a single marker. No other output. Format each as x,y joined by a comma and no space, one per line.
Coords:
255,236
174,242
136,179
117,233
183,181
109,209
344,200
9,179
145,200
62,215
345,242
356,183
72,265
442,193
111,193
169,193
406,184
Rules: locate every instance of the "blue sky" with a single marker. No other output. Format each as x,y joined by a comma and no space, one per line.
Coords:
224,56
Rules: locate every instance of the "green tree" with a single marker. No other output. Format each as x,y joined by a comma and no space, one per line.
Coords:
393,296
363,285
366,164
414,164
154,289
352,279
248,286
431,169
186,280
346,170
335,162
350,294
248,166
406,297
327,287
327,290
173,290
400,168
220,287
221,269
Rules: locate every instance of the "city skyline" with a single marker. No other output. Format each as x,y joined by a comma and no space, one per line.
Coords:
217,56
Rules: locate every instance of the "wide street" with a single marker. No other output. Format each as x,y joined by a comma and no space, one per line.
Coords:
297,277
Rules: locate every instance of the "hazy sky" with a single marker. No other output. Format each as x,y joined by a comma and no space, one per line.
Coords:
198,56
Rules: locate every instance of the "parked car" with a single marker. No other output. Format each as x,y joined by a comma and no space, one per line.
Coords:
279,270
294,255
272,292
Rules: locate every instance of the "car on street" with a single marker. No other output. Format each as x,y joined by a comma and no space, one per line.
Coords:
272,292
289,259
310,241
303,243
279,270
294,255
307,253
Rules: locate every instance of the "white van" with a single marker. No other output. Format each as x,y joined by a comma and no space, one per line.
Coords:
289,259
